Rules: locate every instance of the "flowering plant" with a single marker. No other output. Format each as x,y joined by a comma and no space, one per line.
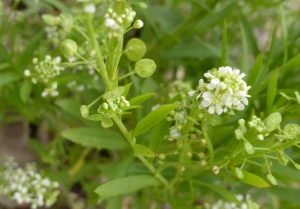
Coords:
218,144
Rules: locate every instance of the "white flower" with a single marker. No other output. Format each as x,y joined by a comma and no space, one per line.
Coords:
27,73
110,23
225,90
90,8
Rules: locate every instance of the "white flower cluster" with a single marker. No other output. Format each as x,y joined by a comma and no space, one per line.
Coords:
117,23
225,91
114,105
45,71
246,203
26,186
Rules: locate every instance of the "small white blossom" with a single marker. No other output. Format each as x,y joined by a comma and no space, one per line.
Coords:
27,73
90,8
224,91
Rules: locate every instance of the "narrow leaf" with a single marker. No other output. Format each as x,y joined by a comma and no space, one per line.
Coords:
96,137
8,77
141,98
255,71
252,179
245,60
249,35
25,90
225,193
153,118
272,89
144,151
126,185
95,117
224,42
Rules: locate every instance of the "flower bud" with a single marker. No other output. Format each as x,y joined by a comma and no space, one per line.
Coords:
241,122
138,24
145,67
182,168
201,155
238,134
216,169
260,137
68,48
143,5
189,154
161,156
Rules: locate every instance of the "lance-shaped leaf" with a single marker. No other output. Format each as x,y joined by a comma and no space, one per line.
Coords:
228,195
141,150
126,185
252,179
96,137
141,98
153,118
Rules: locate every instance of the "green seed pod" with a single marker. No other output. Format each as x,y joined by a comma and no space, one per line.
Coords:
273,121
84,110
161,156
291,130
50,20
68,48
281,158
145,67
239,173
272,179
135,49
238,134
66,21
249,148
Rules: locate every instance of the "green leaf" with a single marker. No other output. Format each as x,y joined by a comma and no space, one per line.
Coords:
120,169
158,133
224,42
70,106
245,51
272,46
114,93
225,193
249,35
286,172
95,117
291,64
96,137
4,54
144,151
59,5
106,121
272,89
153,118
8,77
126,89
26,57
272,121
126,185
141,98
252,179
115,202
25,90
284,35
4,66
255,71
285,193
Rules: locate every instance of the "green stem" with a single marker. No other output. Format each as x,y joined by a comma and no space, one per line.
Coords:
99,58
131,141
208,142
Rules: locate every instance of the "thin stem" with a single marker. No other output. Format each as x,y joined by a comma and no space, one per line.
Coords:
269,170
96,100
124,76
95,45
209,144
82,33
131,141
88,62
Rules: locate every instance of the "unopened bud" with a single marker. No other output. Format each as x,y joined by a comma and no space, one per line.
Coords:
161,156
241,122
182,168
138,24
189,154
260,137
201,155
216,169
203,141
203,162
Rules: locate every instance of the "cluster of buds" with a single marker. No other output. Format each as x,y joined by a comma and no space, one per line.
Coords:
225,91
114,105
179,117
44,72
117,21
26,186
246,203
261,129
